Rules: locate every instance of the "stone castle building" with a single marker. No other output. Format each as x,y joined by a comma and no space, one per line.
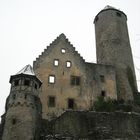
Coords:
61,80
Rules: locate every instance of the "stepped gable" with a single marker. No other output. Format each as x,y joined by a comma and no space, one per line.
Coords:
54,44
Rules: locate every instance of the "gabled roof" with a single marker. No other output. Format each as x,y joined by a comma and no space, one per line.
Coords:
26,70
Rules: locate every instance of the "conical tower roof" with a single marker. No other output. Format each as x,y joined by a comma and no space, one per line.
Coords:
26,70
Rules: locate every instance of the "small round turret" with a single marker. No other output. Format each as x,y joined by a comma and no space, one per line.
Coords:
23,106
113,48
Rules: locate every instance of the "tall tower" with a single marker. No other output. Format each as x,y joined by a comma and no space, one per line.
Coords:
23,107
113,48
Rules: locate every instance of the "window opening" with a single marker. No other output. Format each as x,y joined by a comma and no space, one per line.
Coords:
63,50
14,121
25,97
16,82
103,93
102,78
35,86
26,82
51,101
118,14
56,62
75,80
51,79
68,64
70,103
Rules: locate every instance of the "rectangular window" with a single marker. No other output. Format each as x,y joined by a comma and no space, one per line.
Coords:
56,62
102,78
63,50
118,14
51,79
75,80
68,64
16,82
51,101
70,103
26,82
103,93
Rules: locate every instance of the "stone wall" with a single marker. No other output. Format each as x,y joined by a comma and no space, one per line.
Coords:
98,126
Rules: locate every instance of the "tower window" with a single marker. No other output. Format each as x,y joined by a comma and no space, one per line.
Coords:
16,82
118,14
26,82
14,121
35,86
102,78
68,64
51,79
63,50
51,101
75,80
56,62
103,93
70,103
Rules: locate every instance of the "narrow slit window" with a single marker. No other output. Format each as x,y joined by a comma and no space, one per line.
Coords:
14,121
70,103
56,62
103,93
68,64
51,79
35,86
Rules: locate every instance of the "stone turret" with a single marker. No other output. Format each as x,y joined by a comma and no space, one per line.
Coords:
23,107
113,48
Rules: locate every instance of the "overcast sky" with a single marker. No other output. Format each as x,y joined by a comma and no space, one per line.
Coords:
28,26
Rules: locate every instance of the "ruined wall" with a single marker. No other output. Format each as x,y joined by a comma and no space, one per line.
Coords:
93,125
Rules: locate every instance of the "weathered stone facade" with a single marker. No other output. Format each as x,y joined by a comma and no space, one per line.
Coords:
113,48
23,109
70,83
84,92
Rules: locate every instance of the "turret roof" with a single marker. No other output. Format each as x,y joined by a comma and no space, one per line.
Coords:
26,70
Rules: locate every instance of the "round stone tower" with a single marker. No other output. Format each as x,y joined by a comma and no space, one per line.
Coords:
23,107
113,48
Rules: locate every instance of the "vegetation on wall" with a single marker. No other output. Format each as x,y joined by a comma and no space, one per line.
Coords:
108,105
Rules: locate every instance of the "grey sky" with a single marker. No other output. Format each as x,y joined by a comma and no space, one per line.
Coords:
28,26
